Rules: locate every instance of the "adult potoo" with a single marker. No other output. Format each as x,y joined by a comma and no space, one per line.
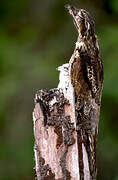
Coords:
86,73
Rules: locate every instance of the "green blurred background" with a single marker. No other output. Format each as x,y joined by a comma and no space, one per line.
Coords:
36,37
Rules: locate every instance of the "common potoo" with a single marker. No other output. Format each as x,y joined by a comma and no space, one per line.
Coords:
86,73
64,76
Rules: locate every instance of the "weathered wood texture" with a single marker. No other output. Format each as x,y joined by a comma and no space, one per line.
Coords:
56,144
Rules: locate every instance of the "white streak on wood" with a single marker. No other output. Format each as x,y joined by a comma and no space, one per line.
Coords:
86,165
35,151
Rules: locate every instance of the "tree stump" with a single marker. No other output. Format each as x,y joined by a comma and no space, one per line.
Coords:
66,118
56,143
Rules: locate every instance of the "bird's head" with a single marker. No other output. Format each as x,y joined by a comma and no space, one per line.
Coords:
82,20
64,69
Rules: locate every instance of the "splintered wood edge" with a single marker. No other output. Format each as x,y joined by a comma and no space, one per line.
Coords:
51,161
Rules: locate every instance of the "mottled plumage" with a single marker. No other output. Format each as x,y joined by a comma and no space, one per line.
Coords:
86,73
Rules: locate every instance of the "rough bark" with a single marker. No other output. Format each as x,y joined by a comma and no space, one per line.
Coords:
56,142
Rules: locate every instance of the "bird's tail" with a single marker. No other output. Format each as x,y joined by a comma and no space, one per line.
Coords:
89,140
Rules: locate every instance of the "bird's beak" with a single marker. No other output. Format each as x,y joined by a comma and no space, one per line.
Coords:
73,11
59,68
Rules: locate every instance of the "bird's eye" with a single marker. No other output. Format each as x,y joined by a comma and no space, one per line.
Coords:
65,68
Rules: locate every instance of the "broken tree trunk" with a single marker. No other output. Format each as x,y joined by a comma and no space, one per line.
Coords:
66,118
56,142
